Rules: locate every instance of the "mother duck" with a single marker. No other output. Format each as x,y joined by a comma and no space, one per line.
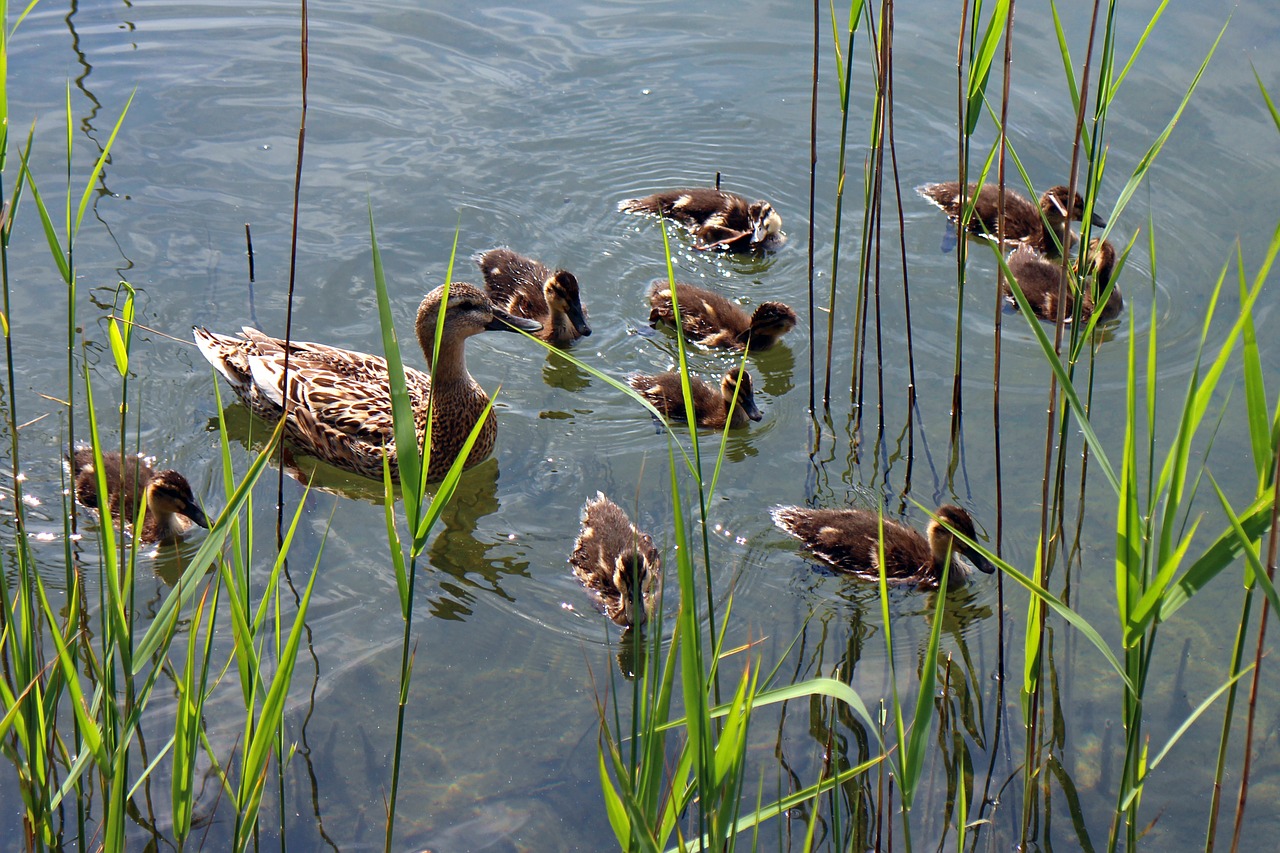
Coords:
340,401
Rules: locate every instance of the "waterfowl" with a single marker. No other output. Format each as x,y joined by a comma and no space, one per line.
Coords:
1040,277
711,406
340,402
713,321
615,561
171,511
717,219
525,288
849,539
1023,222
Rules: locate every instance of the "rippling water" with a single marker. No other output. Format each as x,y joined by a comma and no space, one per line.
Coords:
524,125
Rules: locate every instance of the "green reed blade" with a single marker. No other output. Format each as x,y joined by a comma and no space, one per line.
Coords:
1255,572
1275,114
205,555
980,67
408,454
1064,50
922,718
1255,389
1137,48
449,484
50,232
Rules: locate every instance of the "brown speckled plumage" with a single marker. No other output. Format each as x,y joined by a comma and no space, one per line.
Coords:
713,321
526,288
613,560
340,400
1022,218
710,404
717,219
849,539
172,508
1040,277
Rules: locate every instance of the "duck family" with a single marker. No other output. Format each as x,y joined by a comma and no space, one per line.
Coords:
336,402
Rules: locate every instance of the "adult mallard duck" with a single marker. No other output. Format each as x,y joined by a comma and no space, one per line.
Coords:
717,219
711,406
1023,222
616,562
713,321
1040,279
340,400
526,288
849,539
171,511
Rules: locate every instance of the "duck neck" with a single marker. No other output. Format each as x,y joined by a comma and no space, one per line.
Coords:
451,365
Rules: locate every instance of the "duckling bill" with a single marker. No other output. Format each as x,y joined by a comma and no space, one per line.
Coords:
340,400
524,287
849,539
717,219
713,321
712,407
172,509
616,562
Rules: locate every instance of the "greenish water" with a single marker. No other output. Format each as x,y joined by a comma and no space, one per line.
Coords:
523,125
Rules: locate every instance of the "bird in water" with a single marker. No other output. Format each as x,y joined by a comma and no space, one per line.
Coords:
340,400
172,509
713,321
526,288
849,539
1041,278
717,219
616,562
1023,219
712,406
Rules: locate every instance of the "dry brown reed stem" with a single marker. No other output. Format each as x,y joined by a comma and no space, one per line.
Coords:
1247,763
902,248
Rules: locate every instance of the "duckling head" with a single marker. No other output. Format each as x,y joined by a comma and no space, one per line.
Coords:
941,540
169,494
563,297
1099,261
739,380
468,312
770,320
1060,207
633,577
766,224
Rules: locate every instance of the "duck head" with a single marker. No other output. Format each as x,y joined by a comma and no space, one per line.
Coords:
942,541
766,224
739,381
169,494
562,295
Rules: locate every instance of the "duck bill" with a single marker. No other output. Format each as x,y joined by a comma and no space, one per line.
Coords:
579,321
504,322
980,562
1097,221
752,410
196,514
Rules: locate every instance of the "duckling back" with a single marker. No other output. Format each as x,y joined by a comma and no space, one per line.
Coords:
716,218
714,321
712,407
615,561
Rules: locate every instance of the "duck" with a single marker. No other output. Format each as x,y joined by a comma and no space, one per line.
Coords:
713,321
615,561
172,509
1023,219
1039,278
849,539
712,407
526,288
340,402
717,219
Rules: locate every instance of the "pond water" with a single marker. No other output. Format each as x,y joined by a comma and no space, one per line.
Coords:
524,125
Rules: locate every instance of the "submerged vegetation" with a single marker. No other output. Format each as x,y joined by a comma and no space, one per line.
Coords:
106,699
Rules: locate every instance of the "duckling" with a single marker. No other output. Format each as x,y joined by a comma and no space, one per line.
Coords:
1022,218
614,561
526,288
711,407
1039,279
171,511
340,401
849,539
714,321
717,219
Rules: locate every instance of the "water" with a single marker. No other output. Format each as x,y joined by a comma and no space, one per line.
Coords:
524,125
